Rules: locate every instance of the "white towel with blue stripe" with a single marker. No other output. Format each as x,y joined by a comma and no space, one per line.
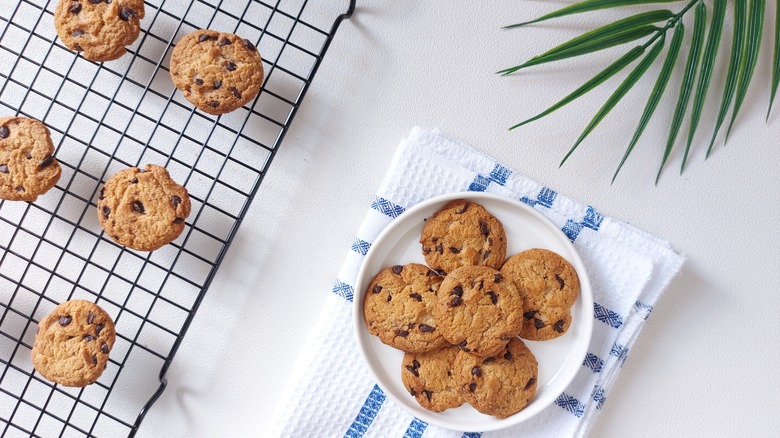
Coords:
331,393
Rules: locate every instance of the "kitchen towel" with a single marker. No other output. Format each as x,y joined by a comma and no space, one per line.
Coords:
331,393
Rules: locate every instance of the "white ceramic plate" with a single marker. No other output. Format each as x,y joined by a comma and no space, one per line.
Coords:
559,359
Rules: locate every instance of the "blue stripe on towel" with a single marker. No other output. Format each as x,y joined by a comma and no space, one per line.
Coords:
571,404
472,435
343,290
415,429
607,316
367,414
386,207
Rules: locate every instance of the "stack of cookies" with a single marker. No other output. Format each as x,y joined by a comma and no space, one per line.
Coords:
460,319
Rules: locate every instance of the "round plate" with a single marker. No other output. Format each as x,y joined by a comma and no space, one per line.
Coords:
559,359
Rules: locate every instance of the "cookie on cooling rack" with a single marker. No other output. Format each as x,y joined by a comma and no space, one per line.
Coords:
27,164
217,72
73,343
143,209
99,29
549,285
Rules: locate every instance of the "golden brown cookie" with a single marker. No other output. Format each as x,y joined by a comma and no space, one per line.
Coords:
549,286
478,310
143,209
498,385
398,308
73,343
429,378
27,164
99,29
217,72
463,233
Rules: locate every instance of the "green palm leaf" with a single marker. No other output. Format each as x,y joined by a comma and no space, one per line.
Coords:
620,32
708,62
658,91
594,82
699,22
587,6
621,91
748,65
776,65
740,17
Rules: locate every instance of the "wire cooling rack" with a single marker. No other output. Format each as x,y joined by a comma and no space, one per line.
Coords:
105,117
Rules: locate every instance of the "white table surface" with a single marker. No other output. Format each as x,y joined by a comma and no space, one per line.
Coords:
705,363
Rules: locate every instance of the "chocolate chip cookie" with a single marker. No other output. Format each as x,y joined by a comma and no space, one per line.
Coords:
217,72
99,29
478,310
143,209
73,343
398,308
27,164
463,233
549,285
430,380
501,384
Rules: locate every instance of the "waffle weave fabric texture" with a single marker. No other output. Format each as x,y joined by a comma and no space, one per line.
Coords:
330,391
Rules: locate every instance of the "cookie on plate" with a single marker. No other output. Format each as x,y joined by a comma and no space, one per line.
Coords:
478,310
143,209
27,164
463,233
498,385
549,285
429,378
99,29
73,343
217,72
398,308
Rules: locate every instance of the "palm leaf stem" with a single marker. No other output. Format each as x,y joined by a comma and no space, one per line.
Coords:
776,65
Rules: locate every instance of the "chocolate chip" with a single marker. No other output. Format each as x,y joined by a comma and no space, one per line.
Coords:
377,288
229,66
248,44
476,371
463,347
134,181
88,338
77,33
3,168
493,297
78,48
65,320
412,392
90,318
483,228
94,360
104,348
99,328
454,250
19,189
402,333
126,13
455,301
530,314
432,273
560,281
138,207
217,85
102,194
428,394
176,201
489,359
425,328
397,269
439,249
477,284
198,81
486,254
472,387
415,363
457,290
235,92
497,278
463,208
224,42
213,104
508,355
413,370
416,296
389,297
203,37
538,323
558,326
530,383
46,162
95,2
4,132
75,8
178,220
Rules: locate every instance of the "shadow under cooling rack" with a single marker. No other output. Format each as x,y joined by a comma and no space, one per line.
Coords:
103,118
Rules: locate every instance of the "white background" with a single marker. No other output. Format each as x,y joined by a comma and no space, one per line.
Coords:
705,365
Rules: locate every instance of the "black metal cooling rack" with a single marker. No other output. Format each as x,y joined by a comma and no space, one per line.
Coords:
104,117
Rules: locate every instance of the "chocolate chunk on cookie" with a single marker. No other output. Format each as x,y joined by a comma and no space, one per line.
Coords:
430,380
99,29
463,233
398,308
498,385
549,285
478,310
27,164
73,343
217,72
143,209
